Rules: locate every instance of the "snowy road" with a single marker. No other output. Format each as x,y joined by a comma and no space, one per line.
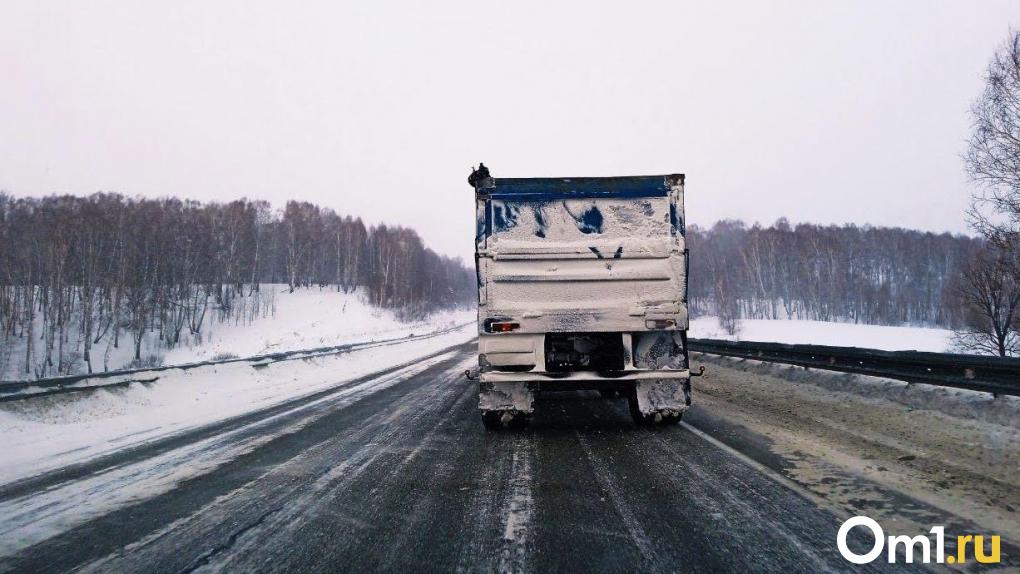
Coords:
393,471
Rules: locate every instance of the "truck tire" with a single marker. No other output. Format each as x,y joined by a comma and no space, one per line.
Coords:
494,420
651,419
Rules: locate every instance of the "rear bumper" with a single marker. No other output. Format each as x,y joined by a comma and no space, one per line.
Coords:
578,320
550,379
664,392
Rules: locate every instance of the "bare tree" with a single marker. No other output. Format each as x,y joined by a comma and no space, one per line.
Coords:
990,286
989,291
993,153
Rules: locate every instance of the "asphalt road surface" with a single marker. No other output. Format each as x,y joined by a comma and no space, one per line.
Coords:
395,472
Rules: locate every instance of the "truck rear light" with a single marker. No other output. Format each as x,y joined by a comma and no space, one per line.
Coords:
659,323
503,327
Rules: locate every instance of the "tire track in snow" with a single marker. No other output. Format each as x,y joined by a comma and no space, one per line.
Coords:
518,507
242,502
425,507
756,514
605,480
485,503
502,509
385,428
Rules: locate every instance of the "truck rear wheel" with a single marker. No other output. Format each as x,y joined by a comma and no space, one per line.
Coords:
657,418
499,420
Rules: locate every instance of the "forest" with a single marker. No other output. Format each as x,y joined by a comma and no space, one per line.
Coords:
883,276
81,272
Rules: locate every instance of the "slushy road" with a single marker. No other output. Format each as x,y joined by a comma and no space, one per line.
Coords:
396,472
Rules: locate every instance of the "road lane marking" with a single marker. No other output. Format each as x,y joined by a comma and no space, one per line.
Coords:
776,476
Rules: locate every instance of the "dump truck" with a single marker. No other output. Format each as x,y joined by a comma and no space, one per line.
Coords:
582,285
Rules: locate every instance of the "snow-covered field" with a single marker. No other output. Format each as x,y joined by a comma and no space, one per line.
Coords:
889,338
47,433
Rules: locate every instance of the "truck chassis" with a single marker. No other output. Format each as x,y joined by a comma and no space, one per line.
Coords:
655,396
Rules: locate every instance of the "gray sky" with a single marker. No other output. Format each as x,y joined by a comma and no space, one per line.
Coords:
819,111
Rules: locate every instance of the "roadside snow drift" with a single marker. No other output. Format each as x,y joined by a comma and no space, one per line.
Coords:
307,318
43,434
884,337
268,321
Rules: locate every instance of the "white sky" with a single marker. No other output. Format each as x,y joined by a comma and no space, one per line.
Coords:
820,111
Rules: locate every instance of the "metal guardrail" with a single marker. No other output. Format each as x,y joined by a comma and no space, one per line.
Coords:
18,390
996,375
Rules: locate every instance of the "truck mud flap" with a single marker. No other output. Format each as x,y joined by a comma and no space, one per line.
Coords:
667,396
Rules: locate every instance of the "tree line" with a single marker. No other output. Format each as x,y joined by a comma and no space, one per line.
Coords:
77,273
872,275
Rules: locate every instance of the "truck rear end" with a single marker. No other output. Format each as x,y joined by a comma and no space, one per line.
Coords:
582,285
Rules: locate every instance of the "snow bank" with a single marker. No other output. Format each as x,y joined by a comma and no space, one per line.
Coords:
887,338
271,320
47,433
1002,410
305,319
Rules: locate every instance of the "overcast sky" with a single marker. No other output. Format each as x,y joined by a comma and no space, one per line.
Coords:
817,111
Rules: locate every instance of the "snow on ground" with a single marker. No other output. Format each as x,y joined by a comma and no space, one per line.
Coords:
305,319
269,321
48,433
889,338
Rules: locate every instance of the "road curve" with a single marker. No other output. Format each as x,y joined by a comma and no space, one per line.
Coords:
398,474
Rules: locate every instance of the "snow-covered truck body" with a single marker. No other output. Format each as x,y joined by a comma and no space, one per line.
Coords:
582,284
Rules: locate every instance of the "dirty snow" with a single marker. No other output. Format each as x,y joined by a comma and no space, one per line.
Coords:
835,429
888,338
